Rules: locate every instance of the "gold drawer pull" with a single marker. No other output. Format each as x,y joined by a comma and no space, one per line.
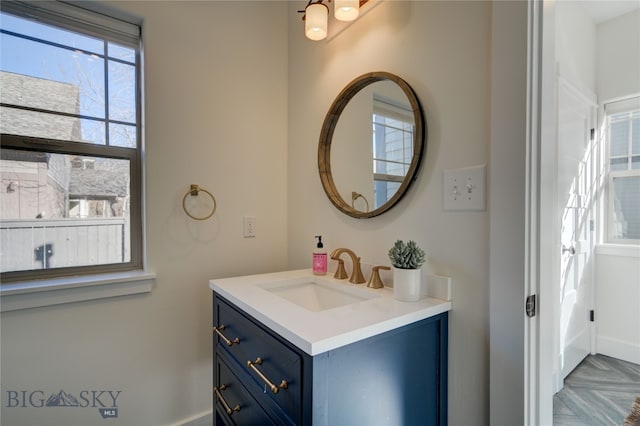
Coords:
228,409
227,341
274,388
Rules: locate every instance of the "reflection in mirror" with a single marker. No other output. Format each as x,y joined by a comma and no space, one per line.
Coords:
371,144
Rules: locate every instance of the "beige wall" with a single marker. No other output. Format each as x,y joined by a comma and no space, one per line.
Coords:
618,268
235,105
508,200
616,302
618,71
442,49
216,102
576,45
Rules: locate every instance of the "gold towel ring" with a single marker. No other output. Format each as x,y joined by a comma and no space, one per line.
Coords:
355,196
195,189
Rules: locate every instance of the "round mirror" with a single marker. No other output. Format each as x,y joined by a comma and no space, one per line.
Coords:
371,144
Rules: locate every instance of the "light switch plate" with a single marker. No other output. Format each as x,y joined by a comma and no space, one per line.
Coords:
249,226
464,189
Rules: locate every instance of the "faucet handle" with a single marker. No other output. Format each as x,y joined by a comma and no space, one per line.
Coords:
341,273
375,281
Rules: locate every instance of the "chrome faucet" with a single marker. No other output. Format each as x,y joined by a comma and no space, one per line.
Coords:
356,274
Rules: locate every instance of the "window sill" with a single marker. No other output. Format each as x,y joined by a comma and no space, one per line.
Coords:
626,250
34,294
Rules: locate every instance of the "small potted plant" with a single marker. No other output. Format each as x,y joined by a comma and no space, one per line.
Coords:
407,260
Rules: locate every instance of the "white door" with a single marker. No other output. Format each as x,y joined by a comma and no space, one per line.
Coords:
575,203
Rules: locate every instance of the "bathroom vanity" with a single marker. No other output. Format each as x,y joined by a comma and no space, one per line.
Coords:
294,349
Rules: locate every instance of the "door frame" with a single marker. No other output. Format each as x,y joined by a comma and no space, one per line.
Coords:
543,254
541,347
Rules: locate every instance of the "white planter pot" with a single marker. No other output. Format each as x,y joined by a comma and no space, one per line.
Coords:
406,284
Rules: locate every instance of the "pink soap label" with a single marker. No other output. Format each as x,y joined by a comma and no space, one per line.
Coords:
320,263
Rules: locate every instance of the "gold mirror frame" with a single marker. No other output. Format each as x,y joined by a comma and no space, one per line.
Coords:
329,126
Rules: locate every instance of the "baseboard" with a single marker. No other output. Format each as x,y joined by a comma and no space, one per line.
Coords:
615,348
203,419
557,382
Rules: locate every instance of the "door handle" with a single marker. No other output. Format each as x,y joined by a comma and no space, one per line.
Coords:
571,250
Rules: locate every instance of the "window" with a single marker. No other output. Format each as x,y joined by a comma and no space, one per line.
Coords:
623,138
70,161
393,130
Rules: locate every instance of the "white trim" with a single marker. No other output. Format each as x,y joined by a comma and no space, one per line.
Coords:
532,199
204,418
584,94
619,349
626,103
543,345
33,294
625,250
608,174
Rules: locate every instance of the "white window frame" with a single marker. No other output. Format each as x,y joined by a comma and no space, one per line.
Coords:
392,109
93,19
616,106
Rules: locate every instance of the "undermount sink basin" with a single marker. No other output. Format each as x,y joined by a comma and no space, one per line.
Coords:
315,294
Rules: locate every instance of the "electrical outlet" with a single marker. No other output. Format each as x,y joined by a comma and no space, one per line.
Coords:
249,226
464,189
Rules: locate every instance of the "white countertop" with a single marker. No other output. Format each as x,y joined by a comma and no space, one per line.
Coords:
318,332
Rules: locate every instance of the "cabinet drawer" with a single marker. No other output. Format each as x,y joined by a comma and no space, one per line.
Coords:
277,362
244,410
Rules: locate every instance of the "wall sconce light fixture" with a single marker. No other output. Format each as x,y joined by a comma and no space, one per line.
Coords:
316,15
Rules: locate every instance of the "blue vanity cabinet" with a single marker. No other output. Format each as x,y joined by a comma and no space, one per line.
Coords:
398,377
234,403
276,378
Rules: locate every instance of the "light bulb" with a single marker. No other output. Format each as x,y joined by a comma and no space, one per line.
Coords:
346,10
315,21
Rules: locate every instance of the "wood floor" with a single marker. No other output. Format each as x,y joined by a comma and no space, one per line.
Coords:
600,391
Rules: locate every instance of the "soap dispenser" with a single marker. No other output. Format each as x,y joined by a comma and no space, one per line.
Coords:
319,258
